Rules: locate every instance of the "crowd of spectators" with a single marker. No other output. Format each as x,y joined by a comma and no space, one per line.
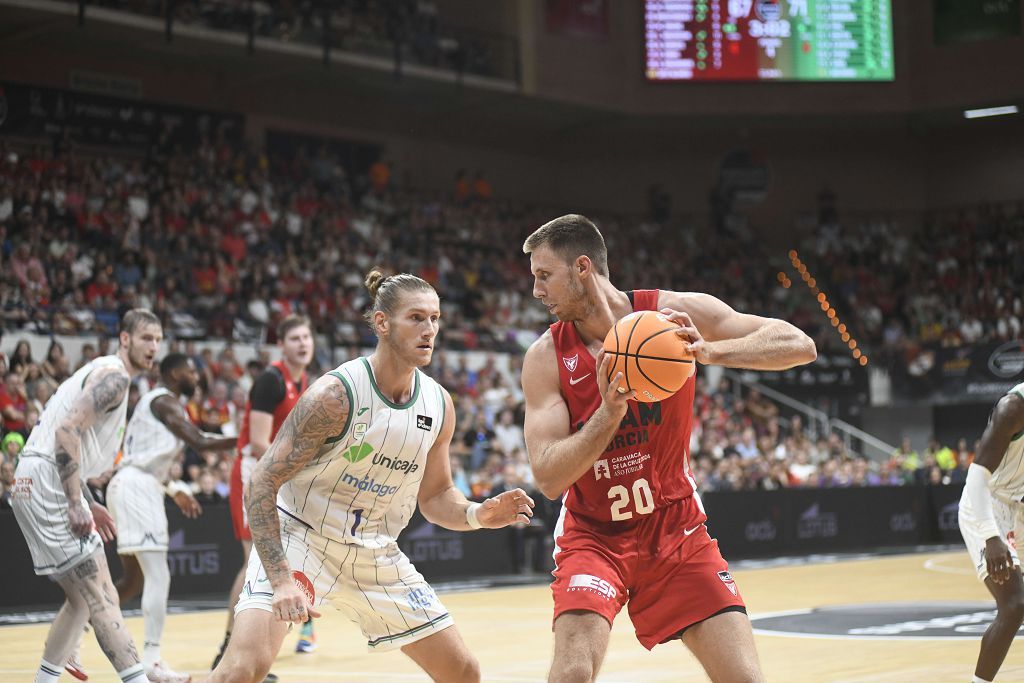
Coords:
956,280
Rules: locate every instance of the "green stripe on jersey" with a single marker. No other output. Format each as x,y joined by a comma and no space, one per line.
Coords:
351,407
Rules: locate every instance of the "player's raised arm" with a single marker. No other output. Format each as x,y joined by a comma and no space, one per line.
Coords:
720,335
167,410
443,504
104,390
559,457
1007,421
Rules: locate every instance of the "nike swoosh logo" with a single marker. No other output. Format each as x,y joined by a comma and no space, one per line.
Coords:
687,532
573,381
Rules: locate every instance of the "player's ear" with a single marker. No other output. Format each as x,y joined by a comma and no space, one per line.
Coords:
123,338
583,264
380,322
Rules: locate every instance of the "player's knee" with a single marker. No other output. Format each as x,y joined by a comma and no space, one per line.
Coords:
572,671
1012,609
247,667
469,671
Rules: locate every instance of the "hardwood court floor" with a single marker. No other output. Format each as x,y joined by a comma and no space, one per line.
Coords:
509,630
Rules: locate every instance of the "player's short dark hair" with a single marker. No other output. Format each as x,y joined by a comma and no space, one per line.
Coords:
172,362
571,236
136,318
290,323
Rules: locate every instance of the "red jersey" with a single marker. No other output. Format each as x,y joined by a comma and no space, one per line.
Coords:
646,465
283,406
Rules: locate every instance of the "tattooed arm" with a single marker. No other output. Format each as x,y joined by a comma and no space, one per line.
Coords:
103,390
320,414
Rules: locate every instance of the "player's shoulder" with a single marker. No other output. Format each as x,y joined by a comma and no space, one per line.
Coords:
668,298
541,349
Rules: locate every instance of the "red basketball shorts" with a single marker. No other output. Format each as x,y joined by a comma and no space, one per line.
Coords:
664,565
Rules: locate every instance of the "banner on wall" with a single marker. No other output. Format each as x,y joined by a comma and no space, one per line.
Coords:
965,374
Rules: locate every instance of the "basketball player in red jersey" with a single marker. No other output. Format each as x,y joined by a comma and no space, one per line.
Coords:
272,397
632,525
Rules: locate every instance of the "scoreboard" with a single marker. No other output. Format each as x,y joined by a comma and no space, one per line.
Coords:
769,40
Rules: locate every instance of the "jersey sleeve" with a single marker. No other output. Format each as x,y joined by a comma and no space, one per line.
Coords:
267,392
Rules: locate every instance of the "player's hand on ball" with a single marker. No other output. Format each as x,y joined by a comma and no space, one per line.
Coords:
290,604
190,507
104,522
613,393
688,332
506,508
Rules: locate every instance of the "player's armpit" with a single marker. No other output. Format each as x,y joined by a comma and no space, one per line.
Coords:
320,413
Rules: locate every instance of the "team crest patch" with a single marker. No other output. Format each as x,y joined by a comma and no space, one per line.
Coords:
601,470
359,431
726,578
571,362
423,422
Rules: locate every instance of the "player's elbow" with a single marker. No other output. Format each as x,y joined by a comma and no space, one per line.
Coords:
808,351
551,489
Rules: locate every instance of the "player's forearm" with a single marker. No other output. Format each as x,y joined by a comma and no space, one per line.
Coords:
206,441
778,346
68,457
446,509
265,524
564,461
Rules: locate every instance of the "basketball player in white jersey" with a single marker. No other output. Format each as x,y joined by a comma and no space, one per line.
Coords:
364,445
991,519
156,434
77,437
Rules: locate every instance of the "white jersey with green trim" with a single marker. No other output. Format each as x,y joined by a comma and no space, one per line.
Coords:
1008,479
148,444
100,442
361,488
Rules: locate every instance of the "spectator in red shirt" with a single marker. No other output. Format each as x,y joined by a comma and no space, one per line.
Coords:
13,403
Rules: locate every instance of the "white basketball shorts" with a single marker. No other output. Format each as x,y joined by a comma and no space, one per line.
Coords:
1010,521
378,589
42,511
136,501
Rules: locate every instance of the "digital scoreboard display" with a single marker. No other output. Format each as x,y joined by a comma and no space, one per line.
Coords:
769,40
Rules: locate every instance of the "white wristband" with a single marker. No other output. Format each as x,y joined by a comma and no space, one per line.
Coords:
471,519
177,486
976,506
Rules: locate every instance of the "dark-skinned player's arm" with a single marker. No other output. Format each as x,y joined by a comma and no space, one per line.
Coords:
719,335
103,391
559,457
167,409
444,505
1006,422
321,413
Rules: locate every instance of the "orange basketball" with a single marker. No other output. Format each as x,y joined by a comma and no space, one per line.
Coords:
653,360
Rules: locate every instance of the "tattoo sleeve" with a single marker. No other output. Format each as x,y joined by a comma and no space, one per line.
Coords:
319,414
103,391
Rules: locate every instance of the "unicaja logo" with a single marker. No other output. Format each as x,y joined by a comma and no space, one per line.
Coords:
357,452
